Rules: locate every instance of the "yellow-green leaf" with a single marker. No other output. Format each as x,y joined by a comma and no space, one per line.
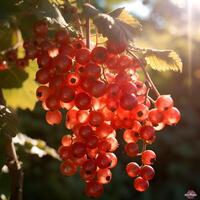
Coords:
24,96
163,60
130,20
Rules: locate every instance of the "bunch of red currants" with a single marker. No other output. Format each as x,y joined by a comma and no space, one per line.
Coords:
102,92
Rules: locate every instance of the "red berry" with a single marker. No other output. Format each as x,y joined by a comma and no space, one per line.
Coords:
94,189
147,132
52,102
96,118
62,36
89,166
128,101
42,93
148,157
85,131
141,184
67,94
66,140
83,101
132,169
92,70
92,142
104,176
54,117
147,172
99,55
103,161
172,116
68,168
155,116
83,56
164,102
78,149
131,149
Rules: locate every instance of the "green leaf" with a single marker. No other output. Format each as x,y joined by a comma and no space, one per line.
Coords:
23,97
35,146
163,60
130,20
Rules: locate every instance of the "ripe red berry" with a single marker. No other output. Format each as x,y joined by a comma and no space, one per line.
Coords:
104,176
164,102
131,136
78,149
132,169
116,47
42,93
172,116
147,132
140,184
128,101
62,36
83,56
131,149
96,118
103,161
66,140
54,117
92,70
82,101
53,102
155,116
42,76
147,172
99,55
67,94
89,166
68,168
85,131
94,189
148,157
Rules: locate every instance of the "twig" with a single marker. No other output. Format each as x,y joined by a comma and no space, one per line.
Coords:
148,78
87,26
14,165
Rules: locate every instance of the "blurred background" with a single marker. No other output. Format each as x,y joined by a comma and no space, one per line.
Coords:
169,24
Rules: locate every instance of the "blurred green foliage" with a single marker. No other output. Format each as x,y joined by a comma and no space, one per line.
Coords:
178,163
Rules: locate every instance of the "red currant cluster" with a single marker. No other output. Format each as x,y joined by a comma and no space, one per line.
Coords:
102,92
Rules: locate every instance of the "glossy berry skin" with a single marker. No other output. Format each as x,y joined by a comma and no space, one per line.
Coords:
53,117
42,93
67,94
62,36
164,102
147,172
78,149
94,189
140,184
132,169
172,116
52,102
130,136
68,168
96,118
89,166
82,101
103,161
99,55
92,70
66,140
92,142
104,176
85,131
147,132
82,56
131,149
116,47
148,157
128,101
156,116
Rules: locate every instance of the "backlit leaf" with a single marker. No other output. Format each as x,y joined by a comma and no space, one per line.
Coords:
163,60
24,96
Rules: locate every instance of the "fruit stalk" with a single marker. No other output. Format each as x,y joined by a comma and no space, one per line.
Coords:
87,25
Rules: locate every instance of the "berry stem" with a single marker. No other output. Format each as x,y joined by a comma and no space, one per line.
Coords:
14,165
87,30
153,87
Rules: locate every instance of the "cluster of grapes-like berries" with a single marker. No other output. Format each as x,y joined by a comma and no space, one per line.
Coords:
102,92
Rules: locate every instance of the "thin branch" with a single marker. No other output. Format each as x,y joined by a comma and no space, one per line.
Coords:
148,78
87,26
14,165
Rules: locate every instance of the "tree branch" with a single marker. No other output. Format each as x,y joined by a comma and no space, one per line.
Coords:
14,165
87,26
